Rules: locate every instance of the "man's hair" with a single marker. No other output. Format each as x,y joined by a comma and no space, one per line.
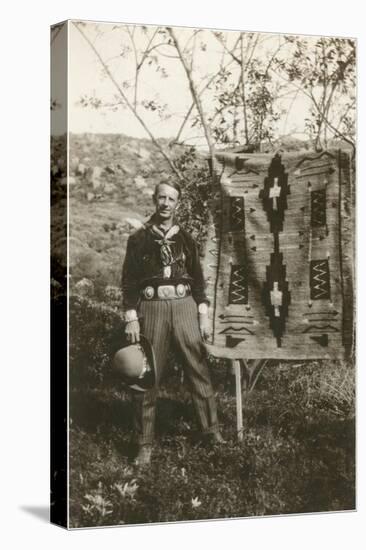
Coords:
171,183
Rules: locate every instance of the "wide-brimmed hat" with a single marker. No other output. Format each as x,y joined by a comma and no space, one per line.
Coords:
135,364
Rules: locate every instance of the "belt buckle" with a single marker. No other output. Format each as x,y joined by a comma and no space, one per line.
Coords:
181,290
149,292
166,292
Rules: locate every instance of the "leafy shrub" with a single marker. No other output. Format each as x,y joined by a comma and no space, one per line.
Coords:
297,456
193,210
95,335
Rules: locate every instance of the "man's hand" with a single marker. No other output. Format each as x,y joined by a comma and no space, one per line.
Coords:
204,325
132,331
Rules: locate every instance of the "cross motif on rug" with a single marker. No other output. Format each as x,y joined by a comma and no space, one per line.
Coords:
276,298
274,193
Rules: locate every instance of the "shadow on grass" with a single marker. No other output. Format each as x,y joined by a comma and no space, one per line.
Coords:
92,410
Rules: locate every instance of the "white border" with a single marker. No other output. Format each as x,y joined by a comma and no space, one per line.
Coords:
25,264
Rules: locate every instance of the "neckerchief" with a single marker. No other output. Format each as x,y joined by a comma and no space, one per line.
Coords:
164,242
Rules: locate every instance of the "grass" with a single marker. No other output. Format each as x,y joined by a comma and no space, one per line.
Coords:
298,448
297,453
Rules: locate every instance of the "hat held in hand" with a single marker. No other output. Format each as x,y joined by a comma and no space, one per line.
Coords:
135,364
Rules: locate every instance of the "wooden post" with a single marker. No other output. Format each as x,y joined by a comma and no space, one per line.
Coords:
239,404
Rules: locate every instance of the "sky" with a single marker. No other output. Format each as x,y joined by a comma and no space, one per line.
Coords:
87,79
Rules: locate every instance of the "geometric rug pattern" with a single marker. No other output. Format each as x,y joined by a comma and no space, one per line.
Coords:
279,257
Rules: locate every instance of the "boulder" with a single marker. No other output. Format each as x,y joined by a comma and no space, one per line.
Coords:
133,223
129,201
97,185
140,182
109,188
90,196
74,163
128,171
96,176
84,287
81,170
143,153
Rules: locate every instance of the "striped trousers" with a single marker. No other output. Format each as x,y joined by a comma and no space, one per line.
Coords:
166,322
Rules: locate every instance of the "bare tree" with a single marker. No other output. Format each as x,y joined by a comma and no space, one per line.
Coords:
324,70
132,105
239,99
256,91
194,91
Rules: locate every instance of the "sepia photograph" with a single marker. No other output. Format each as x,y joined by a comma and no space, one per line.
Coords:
202,274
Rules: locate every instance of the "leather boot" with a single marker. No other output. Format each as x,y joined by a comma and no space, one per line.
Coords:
217,438
143,457
213,438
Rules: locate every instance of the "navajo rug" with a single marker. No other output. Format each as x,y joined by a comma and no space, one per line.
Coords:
279,256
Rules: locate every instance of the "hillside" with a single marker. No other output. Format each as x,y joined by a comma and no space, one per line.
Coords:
112,178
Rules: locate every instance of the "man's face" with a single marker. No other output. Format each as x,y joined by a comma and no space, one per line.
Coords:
166,201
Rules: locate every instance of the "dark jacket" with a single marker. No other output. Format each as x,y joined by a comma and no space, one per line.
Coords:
143,265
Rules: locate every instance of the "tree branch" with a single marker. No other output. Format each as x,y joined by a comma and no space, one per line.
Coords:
195,94
130,34
230,52
129,105
200,92
188,114
242,81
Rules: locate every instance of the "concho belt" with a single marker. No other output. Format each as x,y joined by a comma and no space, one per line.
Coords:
166,292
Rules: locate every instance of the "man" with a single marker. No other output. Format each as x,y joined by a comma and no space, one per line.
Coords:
163,284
